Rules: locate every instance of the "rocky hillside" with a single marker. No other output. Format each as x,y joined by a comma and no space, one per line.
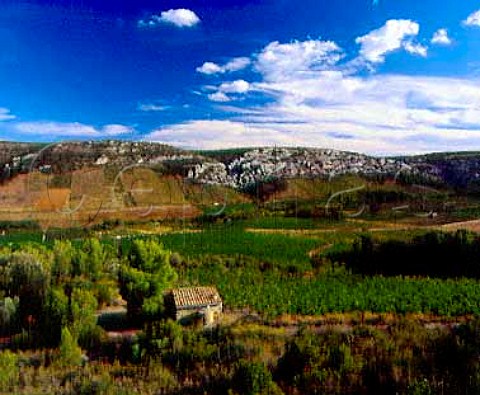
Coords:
68,156
236,168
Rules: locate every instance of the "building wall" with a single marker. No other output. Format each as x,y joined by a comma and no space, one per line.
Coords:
183,316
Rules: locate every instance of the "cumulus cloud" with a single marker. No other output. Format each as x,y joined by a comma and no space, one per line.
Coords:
473,19
317,99
278,61
237,87
218,97
5,114
73,129
380,114
416,49
395,34
210,68
178,17
302,60
235,64
440,37
389,110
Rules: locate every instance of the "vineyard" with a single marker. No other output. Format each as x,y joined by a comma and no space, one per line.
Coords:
278,249
274,293
304,273
275,274
310,306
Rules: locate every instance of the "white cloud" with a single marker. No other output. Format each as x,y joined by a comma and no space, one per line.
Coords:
393,114
318,100
218,97
235,64
440,37
214,134
373,126
179,17
5,114
387,110
74,129
473,19
115,130
210,68
278,61
415,49
395,34
151,107
238,86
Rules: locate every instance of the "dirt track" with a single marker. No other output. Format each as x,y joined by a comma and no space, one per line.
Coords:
473,225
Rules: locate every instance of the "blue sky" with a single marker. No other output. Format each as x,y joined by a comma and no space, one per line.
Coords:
385,77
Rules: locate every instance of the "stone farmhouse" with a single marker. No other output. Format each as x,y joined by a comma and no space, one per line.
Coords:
187,305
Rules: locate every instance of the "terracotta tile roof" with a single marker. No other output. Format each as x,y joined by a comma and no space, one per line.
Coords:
195,297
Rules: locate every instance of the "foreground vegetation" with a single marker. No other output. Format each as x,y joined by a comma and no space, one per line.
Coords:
330,286
406,358
85,314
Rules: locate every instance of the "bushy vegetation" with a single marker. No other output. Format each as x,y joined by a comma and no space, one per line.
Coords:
51,293
434,254
406,358
19,225
262,190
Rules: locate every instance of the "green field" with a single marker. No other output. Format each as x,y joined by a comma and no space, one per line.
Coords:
276,269
275,294
233,240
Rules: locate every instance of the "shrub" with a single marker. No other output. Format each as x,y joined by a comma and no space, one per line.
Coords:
70,352
8,370
253,378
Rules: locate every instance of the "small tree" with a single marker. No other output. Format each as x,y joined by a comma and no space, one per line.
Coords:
62,261
82,308
144,278
29,281
54,316
70,352
90,260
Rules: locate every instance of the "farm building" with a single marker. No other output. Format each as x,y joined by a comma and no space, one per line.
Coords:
192,303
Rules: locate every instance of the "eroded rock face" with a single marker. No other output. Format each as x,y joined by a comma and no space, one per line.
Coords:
233,170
